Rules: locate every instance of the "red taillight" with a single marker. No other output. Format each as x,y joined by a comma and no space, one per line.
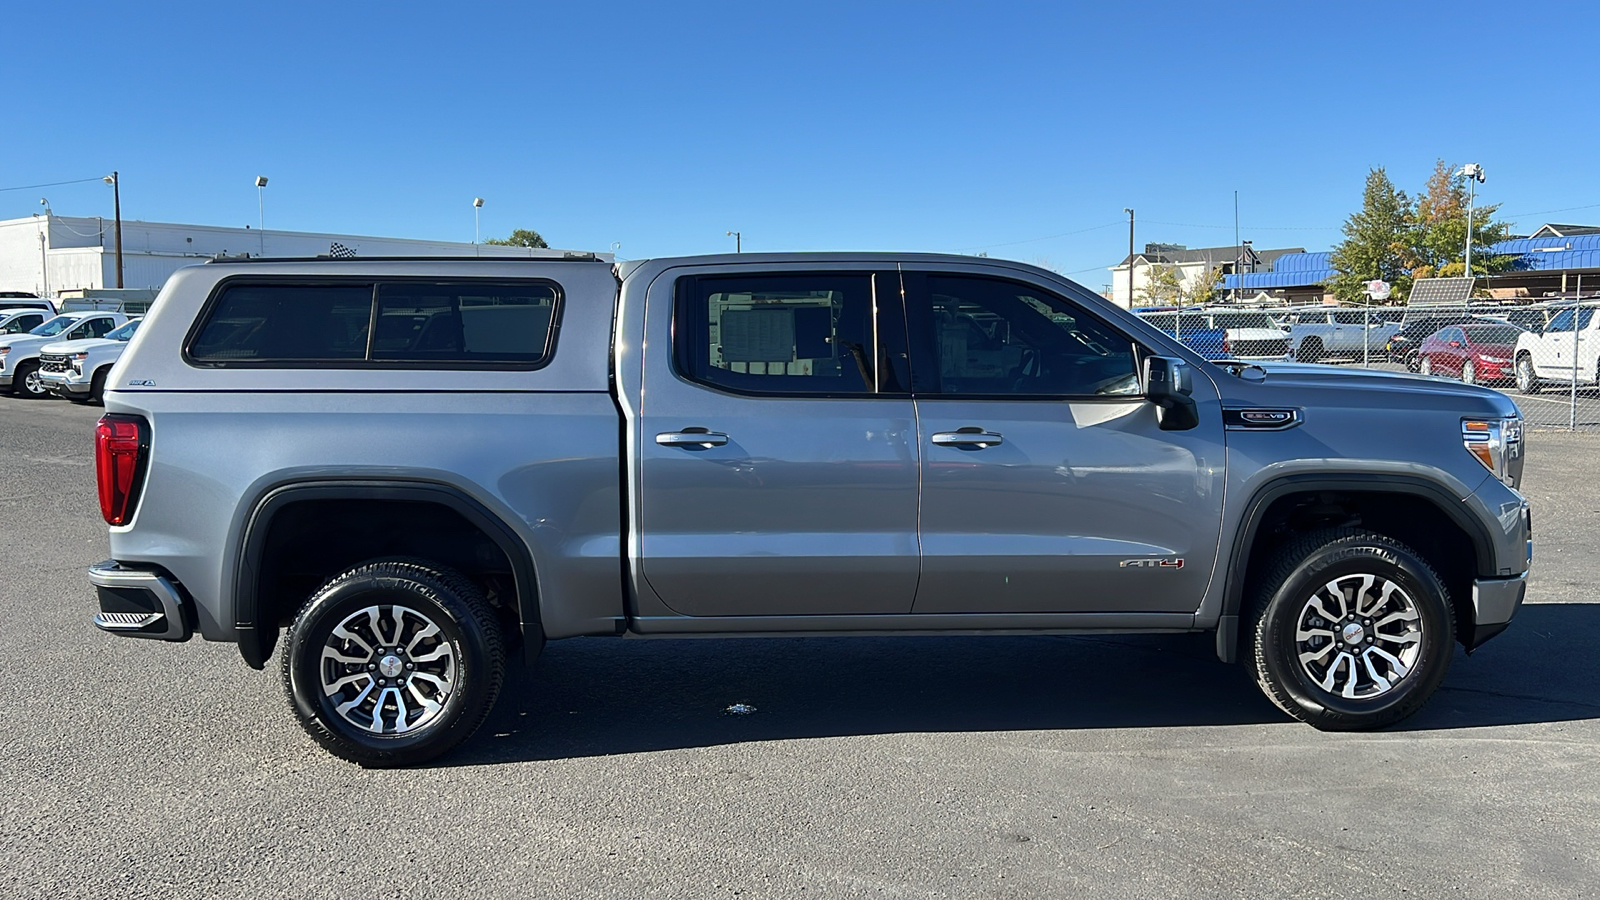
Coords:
119,447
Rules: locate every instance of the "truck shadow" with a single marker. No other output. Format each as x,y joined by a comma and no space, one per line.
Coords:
598,697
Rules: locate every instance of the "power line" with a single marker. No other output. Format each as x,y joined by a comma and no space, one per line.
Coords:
1250,228
1543,212
29,187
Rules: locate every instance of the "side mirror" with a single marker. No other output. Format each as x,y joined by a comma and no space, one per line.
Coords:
1168,384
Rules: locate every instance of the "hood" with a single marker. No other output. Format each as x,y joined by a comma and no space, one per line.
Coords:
1312,384
25,340
78,345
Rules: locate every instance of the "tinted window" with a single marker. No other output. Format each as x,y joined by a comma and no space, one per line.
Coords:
286,322
99,327
1003,337
777,333
125,332
448,323
1493,334
1562,321
22,323
457,322
1242,320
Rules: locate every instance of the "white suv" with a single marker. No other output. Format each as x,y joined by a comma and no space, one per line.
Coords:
77,370
1561,353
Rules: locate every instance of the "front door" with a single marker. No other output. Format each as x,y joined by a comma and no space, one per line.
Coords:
1047,484
778,446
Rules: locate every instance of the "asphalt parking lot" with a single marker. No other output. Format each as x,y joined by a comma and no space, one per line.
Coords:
910,767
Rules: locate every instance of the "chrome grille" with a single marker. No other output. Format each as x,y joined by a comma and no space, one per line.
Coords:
52,362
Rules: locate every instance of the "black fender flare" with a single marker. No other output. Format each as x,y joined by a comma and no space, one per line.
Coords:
1255,510
256,640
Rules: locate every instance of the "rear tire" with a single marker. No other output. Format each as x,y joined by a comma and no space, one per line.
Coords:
1527,381
1364,657
393,662
1426,366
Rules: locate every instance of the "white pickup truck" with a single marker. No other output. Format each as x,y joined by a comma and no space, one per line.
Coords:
77,370
19,353
1318,333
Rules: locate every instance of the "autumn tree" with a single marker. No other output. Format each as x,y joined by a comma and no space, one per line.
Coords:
1377,241
1439,230
1163,287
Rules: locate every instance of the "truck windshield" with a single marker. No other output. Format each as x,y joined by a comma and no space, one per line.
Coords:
125,331
55,326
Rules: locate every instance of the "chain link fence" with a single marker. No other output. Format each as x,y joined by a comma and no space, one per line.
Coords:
1545,356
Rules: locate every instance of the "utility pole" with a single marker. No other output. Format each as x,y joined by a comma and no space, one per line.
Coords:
261,211
1130,256
116,198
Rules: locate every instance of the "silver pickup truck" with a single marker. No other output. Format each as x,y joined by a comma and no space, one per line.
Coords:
401,473
1317,333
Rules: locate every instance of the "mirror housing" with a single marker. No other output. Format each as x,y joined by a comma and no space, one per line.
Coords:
1168,383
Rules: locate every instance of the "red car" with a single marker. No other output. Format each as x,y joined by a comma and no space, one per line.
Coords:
1474,353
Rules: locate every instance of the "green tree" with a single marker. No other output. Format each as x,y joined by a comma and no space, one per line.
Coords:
522,237
1439,232
1378,242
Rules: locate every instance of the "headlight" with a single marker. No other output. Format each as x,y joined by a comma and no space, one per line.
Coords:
77,362
1497,443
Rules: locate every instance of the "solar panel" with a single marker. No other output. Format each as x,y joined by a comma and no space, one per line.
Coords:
1441,290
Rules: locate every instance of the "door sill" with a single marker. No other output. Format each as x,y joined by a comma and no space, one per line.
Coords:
944,623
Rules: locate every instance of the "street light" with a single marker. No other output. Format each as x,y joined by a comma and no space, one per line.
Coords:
261,210
1474,175
44,202
738,241
477,205
116,199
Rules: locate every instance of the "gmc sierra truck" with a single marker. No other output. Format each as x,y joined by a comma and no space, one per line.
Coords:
400,473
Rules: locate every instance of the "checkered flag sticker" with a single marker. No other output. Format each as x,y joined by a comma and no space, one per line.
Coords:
340,251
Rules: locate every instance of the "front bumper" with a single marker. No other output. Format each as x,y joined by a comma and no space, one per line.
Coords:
5,381
141,603
62,384
1494,602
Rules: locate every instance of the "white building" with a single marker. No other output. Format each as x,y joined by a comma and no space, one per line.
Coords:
1190,266
48,254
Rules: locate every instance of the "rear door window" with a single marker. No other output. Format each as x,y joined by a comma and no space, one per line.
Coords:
455,322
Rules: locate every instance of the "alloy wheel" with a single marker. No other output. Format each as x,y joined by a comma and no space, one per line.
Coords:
1358,636
387,669
1469,372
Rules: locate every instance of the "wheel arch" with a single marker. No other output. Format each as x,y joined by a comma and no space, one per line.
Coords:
1245,556
256,618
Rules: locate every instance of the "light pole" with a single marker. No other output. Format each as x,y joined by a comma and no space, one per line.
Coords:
116,199
477,207
261,210
1474,173
738,241
44,244
1130,256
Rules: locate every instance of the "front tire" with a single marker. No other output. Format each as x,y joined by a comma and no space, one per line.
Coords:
1527,381
1310,350
1469,372
393,662
1353,630
27,384
1426,366
97,386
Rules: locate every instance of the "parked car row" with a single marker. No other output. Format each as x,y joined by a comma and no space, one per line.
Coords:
68,355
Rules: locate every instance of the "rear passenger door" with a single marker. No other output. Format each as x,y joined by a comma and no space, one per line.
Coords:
777,445
1047,484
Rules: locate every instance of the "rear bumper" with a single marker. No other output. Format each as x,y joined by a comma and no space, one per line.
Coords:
142,603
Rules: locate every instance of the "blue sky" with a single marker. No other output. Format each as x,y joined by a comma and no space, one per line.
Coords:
1018,129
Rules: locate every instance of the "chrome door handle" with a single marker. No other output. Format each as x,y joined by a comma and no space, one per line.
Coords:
967,437
691,438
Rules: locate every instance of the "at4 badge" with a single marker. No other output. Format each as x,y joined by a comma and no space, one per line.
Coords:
1175,563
